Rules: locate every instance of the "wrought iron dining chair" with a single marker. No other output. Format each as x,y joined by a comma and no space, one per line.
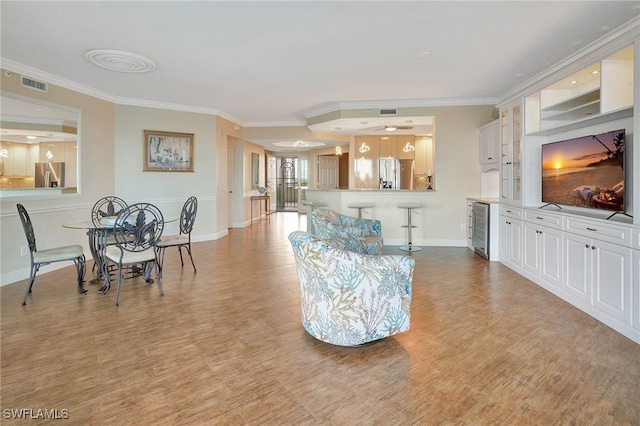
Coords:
44,257
107,207
187,218
136,231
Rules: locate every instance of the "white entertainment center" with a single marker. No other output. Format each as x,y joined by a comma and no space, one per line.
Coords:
582,255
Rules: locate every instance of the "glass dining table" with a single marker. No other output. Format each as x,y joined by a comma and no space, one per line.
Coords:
100,234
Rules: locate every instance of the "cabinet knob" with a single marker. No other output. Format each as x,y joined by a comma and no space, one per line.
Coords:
587,246
593,247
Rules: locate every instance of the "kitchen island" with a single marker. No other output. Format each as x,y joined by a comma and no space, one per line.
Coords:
384,208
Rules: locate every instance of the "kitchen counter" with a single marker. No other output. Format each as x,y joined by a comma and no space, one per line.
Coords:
385,208
484,200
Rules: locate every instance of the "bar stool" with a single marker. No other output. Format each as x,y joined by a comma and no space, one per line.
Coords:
310,205
360,207
409,207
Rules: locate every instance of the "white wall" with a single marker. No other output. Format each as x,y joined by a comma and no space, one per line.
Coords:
49,213
168,190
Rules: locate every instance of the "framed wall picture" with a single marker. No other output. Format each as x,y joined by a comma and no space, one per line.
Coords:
167,151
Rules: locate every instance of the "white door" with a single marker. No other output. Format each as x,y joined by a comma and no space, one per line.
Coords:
271,181
327,172
229,186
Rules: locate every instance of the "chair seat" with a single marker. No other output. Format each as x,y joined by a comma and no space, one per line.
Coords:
131,257
173,240
57,254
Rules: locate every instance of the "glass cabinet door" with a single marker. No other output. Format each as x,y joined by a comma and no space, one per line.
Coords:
515,151
510,157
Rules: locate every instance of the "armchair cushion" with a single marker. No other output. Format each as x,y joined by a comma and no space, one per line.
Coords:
349,298
359,235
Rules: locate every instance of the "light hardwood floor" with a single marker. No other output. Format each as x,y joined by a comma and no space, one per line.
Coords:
225,346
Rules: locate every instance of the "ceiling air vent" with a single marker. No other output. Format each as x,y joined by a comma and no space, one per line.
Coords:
33,84
389,111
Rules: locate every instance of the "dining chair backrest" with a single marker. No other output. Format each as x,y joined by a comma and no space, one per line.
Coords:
107,207
28,228
47,256
188,215
138,227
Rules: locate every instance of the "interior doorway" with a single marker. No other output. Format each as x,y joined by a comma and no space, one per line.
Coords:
287,186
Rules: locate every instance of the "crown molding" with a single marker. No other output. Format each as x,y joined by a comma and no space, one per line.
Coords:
275,124
37,74
608,44
406,103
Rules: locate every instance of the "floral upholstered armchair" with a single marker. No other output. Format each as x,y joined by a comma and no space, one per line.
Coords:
348,298
359,235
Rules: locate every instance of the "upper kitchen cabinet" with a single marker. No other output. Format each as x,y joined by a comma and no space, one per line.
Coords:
405,147
365,162
388,146
603,89
490,146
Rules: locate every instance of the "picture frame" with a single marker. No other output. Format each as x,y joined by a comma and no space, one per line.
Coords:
167,151
255,170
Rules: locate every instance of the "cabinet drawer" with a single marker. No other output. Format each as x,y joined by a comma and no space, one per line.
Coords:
543,218
605,232
510,211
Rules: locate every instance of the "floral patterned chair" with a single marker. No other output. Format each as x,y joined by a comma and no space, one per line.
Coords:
349,298
359,235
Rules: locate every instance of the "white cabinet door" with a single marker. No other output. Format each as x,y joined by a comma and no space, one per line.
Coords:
577,266
636,289
612,279
510,241
551,255
532,248
490,143
510,153
543,252
504,239
599,273
516,242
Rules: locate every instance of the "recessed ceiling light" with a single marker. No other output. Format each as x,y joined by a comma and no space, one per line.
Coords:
32,137
424,55
574,81
595,72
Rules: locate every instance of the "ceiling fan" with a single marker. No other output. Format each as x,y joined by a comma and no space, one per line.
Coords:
392,128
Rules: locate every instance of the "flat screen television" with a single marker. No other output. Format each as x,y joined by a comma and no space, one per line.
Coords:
585,172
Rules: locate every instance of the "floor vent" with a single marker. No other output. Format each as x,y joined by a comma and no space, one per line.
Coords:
33,84
389,111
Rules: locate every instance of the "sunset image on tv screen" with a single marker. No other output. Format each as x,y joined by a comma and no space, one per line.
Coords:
585,172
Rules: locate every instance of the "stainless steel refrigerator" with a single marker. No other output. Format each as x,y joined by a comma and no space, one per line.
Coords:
396,173
49,175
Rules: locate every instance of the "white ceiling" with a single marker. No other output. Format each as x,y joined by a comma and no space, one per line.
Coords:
269,63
